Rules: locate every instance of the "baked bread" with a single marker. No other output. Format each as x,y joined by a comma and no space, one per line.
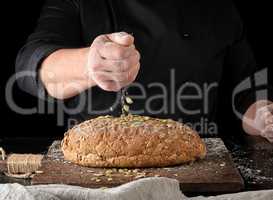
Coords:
132,141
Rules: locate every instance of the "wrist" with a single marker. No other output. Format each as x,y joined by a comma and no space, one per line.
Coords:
85,77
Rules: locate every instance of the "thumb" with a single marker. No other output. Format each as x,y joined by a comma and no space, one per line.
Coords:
121,38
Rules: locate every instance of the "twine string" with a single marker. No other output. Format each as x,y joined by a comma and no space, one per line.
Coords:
21,165
2,153
24,163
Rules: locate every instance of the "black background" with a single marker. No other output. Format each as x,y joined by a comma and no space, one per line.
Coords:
19,20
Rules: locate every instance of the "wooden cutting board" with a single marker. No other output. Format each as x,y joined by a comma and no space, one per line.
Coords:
216,173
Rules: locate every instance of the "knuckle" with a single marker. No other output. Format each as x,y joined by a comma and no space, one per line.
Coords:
138,55
259,111
96,66
99,38
121,65
131,77
119,53
132,61
137,67
128,76
96,40
126,64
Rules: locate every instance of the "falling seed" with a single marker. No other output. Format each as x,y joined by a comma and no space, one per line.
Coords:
126,108
98,180
39,172
129,100
110,179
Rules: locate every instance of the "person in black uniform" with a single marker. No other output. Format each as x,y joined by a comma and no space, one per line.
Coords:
193,54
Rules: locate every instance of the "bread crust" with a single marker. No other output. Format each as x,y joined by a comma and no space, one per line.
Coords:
132,141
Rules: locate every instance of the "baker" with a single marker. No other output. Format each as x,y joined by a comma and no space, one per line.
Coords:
82,49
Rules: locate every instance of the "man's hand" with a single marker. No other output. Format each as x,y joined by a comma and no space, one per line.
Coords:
258,120
113,61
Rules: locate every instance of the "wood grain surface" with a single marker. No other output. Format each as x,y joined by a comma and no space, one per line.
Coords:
216,173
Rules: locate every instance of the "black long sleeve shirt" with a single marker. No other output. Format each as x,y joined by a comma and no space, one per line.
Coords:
199,46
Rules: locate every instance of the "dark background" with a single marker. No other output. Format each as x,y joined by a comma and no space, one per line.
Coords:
19,20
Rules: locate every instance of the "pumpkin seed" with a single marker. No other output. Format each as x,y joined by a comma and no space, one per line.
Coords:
126,108
129,100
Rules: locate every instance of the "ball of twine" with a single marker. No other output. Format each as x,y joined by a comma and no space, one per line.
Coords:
21,165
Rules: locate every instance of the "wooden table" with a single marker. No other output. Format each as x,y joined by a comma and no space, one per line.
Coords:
257,156
214,174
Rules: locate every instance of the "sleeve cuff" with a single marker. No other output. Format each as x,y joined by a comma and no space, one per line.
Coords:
29,80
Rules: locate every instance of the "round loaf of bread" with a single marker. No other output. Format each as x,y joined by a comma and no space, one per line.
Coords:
132,141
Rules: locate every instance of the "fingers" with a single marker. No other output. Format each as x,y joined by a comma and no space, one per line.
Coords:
268,132
270,107
114,46
266,109
113,51
118,66
269,120
100,41
113,61
118,77
265,114
121,38
109,81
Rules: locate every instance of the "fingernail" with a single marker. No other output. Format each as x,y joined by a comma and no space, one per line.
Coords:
122,34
